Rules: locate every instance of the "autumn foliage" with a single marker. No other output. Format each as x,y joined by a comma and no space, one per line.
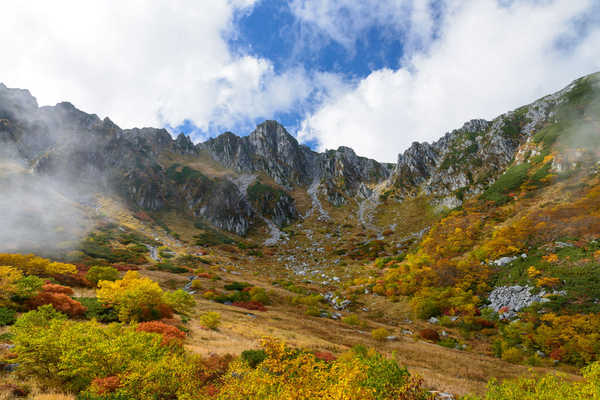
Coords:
58,297
170,334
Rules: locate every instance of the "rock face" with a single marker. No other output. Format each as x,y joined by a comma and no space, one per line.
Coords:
466,160
82,149
272,150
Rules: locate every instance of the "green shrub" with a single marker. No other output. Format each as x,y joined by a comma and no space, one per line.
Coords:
168,266
98,273
254,357
210,320
98,311
511,180
426,307
449,342
351,319
7,316
237,286
259,295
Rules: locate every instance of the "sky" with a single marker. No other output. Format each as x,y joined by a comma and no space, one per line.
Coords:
374,75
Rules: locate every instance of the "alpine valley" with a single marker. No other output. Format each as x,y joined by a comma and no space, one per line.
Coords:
127,253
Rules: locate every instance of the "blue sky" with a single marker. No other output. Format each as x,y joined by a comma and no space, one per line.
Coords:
271,31
374,75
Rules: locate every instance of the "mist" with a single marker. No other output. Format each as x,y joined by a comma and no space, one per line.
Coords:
40,211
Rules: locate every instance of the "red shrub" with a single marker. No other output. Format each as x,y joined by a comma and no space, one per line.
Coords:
325,356
169,333
52,288
557,354
106,385
250,305
60,301
429,334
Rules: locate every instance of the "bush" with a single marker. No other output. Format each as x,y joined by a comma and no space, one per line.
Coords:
380,334
168,266
210,320
545,387
259,295
98,311
429,334
170,334
425,308
71,355
196,284
7,316
351,319
511,180
137,298
98,273
254,357
237,286
289,373
449,342
58,297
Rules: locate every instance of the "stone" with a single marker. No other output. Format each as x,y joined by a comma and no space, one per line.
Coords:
508,300
501,262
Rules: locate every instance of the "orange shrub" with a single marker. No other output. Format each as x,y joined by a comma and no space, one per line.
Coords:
169,333
60,301
53,288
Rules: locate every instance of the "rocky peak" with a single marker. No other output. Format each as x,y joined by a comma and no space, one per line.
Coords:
184,145
15,103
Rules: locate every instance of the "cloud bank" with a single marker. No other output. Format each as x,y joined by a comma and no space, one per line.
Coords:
486,58
143,63
163,63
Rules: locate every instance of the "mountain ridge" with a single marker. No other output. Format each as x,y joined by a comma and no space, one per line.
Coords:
63,140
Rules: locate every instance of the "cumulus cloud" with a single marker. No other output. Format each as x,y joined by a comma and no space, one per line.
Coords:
346,21
485,57
143,63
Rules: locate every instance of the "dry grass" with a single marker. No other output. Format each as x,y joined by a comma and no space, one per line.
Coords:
450,370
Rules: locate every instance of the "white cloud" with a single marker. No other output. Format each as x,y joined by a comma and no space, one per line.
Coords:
142,63
487,59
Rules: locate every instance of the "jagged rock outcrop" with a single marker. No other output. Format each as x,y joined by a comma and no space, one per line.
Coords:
81,149
467,160
272,150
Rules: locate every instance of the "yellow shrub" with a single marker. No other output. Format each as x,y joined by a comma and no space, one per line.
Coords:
380,334
210,320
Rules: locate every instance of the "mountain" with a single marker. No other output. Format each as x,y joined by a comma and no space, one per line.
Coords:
469,257
260,171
